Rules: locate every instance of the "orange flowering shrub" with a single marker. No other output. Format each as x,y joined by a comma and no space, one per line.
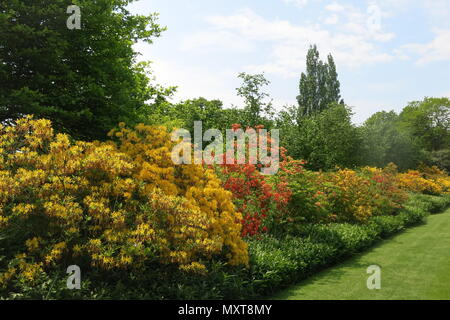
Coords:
415,181
388,197
261,199
358,195
438,176
108,205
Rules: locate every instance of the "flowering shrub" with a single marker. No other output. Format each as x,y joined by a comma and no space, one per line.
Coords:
437,176
388,196
150,148
308,202
261,199
414,181
349,195
115,205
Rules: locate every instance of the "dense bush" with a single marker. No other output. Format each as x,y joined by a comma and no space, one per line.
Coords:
261,199
106,206
278,261
345,195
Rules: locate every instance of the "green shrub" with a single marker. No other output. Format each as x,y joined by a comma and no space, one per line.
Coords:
430,203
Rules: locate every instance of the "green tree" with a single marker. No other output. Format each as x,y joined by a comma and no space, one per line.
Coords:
429,122
384,142
440,158
183,114
210,112
258,106
325,140
319,86
86,80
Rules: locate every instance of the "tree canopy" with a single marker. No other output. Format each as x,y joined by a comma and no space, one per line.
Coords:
85,80
258,106
429,122
319,86
384,142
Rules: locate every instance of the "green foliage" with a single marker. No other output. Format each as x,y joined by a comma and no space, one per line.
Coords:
440,158
257,110
320,86
306,203
429,122
383,142
85,80
324,140
429,203
210,112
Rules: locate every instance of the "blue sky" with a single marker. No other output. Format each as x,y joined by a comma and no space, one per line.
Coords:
388,52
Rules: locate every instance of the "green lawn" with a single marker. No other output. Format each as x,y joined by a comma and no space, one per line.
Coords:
414,265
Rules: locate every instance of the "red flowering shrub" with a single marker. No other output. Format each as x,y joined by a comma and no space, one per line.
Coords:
261,199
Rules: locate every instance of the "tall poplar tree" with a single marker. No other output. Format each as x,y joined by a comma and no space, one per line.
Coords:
319,86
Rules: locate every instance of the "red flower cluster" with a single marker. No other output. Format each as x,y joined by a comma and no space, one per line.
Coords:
258,197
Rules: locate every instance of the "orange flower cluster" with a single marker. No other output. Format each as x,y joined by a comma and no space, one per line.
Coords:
425,180
261,199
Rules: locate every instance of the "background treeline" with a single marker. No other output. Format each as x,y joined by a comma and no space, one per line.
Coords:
87,81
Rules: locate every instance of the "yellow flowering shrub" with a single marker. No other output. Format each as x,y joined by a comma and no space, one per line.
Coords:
358,195
151,147
444,183
114,205
349,195
414,181
438,176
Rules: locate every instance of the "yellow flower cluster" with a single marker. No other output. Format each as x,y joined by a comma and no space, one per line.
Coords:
117,204
350,196
438,176
358,195
419,182
210,207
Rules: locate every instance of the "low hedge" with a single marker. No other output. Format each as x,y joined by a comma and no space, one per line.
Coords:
275,263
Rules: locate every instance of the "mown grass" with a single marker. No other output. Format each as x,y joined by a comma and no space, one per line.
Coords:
414,265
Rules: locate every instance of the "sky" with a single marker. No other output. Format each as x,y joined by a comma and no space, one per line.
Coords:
387,52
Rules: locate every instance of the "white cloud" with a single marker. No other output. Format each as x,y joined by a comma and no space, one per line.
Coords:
216,41
352,44
335,7
436,50
367,23
297,3
333,19
193,81
438,11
